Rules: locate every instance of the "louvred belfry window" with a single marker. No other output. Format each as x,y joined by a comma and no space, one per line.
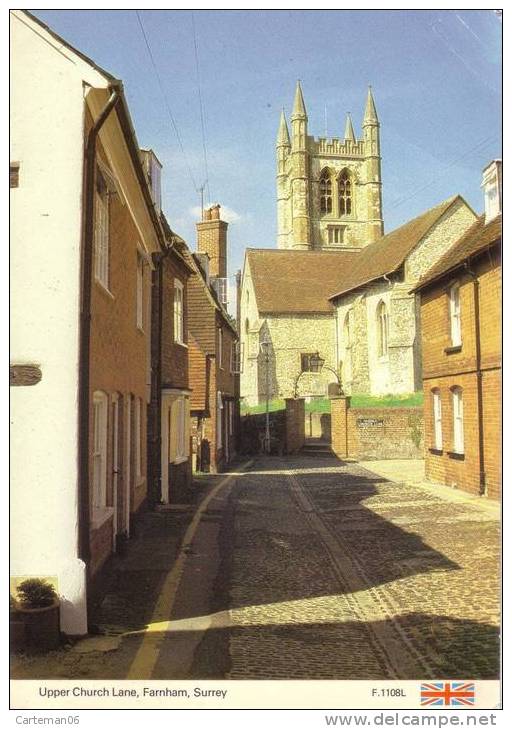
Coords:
345,193
325,192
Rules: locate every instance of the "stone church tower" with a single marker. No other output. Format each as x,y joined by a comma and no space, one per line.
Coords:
328,190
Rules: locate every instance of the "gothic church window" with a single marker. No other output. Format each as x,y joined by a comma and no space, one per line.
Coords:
382,329
325,192
345,193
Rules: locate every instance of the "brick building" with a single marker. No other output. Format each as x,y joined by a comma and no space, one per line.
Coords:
461,344
84,229
169,465
213,350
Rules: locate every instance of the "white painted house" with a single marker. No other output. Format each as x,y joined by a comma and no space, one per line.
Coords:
56,95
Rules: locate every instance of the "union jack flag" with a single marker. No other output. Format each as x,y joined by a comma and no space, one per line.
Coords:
448,693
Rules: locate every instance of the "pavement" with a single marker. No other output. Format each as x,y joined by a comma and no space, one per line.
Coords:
301,568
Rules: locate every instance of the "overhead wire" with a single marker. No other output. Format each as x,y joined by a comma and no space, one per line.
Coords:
166,102
478,147
201,108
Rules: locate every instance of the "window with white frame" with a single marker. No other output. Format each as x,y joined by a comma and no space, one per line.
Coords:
178,312
382,329
437,419
99,449
237,358
140,291
458,420
101,230
219,347
220,407
137,437
179,430
455,327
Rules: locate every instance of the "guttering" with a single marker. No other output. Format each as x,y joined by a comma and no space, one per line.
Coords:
479,377
84,551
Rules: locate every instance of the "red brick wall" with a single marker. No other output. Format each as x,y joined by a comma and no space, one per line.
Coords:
295,424
445,370
119,354
444,466
174,355
376,433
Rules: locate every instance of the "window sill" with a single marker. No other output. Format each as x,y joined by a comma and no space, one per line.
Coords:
453,349
436,451
100,515
456,456
179,459
104,290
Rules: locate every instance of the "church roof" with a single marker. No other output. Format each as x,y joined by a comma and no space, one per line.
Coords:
297,282
475,240
388,253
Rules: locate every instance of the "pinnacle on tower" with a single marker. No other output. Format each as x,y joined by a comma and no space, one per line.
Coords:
299,108
349,129
283,137
370,112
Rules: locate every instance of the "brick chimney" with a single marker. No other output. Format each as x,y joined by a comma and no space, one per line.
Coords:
212,240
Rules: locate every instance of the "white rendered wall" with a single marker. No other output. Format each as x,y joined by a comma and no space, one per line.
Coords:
47,115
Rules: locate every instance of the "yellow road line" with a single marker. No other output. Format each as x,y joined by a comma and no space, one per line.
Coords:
149,650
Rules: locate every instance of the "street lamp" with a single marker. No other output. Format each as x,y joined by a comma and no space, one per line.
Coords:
264,347
316,364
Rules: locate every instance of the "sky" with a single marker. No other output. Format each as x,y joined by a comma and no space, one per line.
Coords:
435,74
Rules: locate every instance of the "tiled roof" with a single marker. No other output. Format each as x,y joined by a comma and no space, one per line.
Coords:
389,252
291,281
479,237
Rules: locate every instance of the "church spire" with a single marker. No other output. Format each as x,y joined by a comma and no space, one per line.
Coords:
299,108
349,129
370,112
283,137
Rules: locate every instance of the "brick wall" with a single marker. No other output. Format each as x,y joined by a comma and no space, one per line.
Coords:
119,357
376,433
444,369
295,424
174,355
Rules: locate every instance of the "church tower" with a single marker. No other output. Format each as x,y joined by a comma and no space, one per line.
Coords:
329,191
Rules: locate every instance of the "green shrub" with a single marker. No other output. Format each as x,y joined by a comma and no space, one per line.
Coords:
36,593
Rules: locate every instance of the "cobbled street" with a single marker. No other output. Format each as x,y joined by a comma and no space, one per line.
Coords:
302,568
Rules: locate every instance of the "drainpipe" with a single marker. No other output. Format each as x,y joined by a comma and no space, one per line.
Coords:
84,551
479,384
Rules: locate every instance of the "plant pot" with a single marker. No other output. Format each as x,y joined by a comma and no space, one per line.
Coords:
42,627
16,632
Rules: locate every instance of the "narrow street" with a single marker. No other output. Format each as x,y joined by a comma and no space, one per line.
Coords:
300,568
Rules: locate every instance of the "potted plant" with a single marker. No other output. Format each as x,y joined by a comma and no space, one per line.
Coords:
38,606
16,625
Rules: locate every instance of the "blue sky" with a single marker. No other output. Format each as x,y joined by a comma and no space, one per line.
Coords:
436,77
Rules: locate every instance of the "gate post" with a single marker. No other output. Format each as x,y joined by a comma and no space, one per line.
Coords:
339,426
295,424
